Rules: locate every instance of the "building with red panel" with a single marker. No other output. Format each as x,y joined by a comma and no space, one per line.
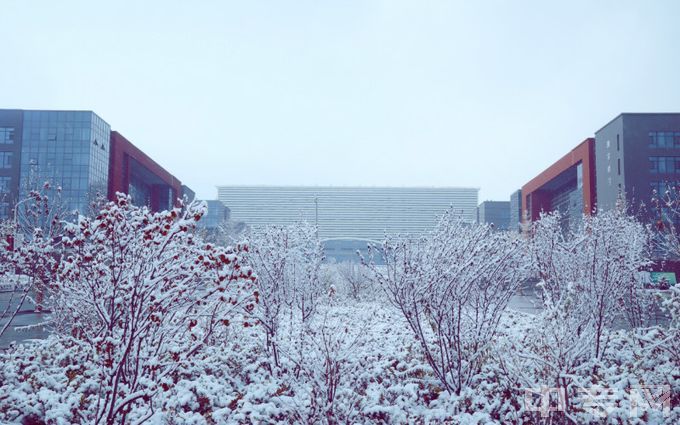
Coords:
567,186
133,172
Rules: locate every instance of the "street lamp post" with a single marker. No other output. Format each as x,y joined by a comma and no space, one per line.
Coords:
16,221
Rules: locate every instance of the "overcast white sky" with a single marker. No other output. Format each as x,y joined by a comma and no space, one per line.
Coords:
477,93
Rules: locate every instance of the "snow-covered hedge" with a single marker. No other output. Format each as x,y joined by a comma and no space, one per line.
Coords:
152,325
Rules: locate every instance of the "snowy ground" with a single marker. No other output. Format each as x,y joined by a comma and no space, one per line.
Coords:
383,377
526,302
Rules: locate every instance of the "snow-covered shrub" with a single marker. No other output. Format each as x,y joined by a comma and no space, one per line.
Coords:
287,260
555,352
50,381
452,286
329,344
144,296
665,210
601,262
384,379
356,279
29,263
668,338
589,281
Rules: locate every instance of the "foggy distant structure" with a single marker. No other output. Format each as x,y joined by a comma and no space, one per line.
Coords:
349,213
496,213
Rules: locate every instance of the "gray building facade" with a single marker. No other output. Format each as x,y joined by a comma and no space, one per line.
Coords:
11,131
494,212
635,154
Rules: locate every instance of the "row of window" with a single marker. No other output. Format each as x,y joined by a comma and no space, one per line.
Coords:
664,139
61,134
6,135
59,159
664,164
57,116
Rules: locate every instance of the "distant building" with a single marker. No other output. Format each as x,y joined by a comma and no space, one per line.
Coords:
567,186
78,152
352,213
70,149
188,194
637,153
633,155
496,213
134,172
216,215
516,211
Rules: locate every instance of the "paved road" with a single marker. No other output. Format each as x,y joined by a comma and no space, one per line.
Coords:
527,301
24,318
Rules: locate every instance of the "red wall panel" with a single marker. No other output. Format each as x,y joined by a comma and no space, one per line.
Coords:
119,167
584,153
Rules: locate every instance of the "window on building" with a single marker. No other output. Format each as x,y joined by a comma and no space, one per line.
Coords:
664,164
619,165
6,160
6,135
664,139
618,144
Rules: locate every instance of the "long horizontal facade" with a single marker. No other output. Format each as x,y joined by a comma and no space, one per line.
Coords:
348,212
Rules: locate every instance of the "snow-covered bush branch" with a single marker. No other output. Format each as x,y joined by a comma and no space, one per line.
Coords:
452,287
601,261
30,250
144,296
287,260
